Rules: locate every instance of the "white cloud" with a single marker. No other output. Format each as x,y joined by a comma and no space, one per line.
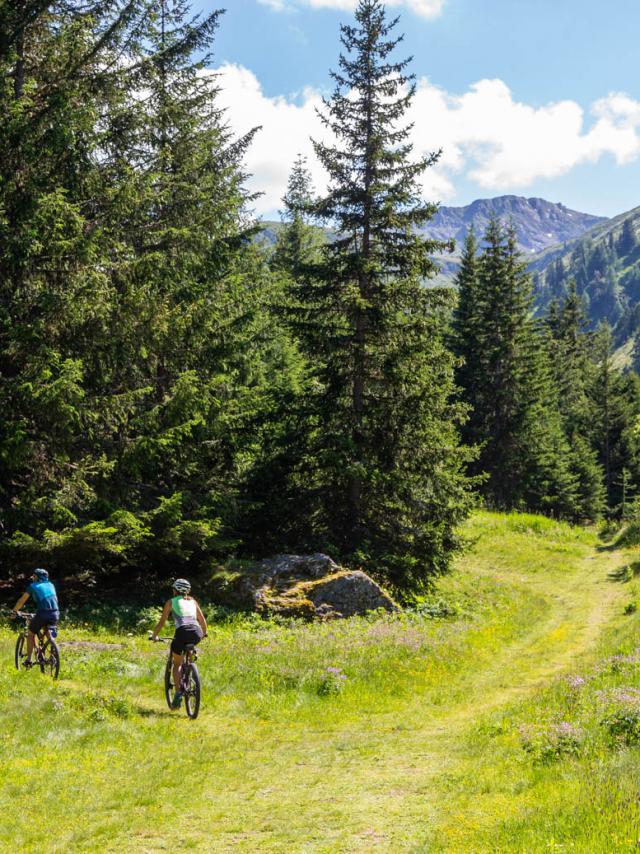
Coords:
424,8
488,137
276,5
505,144
286,127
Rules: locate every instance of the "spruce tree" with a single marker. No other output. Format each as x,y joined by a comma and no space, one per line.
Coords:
137,347
200,347
467,340
57,246
574,371
299,241
614,407
514,417
627,241
383,477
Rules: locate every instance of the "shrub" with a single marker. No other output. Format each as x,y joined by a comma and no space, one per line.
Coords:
437,609
332,682
622,715
551,743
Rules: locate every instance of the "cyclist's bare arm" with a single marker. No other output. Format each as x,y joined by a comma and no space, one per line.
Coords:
166,611
201,619
20,603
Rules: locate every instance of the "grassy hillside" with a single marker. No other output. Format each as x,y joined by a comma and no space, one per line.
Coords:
502,716
605,264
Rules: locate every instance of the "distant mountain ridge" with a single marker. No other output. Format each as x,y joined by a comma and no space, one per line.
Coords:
539,223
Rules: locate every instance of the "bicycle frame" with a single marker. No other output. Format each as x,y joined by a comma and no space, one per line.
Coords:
189,678
45,649
40,638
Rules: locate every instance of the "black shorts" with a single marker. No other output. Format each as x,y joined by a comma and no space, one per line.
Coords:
41,620
185,635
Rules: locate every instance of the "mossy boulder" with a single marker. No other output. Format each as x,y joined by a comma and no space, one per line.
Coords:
305,586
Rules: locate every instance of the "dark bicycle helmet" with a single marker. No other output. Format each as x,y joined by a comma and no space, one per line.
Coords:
41,574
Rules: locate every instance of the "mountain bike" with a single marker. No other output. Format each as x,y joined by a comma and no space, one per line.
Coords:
189,679
46,654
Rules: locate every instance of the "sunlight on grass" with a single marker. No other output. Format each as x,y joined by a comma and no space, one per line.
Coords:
386,733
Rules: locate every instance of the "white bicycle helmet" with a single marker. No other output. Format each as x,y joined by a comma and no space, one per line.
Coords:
181,585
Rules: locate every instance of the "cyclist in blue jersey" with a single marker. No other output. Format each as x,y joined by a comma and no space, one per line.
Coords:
191,627
47,609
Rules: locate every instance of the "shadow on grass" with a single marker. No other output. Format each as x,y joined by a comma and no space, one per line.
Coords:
146,712
627,537
626,573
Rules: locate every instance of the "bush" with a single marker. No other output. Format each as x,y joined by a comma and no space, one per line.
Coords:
551,743
332,682
156,544
622,715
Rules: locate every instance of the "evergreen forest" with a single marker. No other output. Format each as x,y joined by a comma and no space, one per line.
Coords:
175,394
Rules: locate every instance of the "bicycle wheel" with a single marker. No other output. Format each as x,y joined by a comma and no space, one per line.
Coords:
168,684
21,643
49,658
192,693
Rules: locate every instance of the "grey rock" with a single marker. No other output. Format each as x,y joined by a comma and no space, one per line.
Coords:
350,593
305,586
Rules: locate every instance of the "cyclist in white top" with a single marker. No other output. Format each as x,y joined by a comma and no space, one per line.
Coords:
191,627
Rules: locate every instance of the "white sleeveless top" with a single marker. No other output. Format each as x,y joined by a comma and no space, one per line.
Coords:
184,612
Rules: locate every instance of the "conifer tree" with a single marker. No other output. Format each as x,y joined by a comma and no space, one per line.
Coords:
574,371
299,241
515,418
136,341
198,352
615,405
467,340
56,245
627,240
384,470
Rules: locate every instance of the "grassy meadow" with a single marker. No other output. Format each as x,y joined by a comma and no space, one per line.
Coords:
501,715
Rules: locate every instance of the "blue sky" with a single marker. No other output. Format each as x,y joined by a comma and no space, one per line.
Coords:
531,97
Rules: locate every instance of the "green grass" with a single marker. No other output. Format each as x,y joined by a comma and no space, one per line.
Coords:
442,735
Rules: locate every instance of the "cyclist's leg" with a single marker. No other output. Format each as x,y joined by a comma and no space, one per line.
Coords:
35,627
31,642
178,660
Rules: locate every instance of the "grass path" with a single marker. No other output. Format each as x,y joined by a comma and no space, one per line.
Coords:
417,754
403,788
393,801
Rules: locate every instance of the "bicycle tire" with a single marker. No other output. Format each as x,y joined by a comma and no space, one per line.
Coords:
192,694
49,659
20,644
168,684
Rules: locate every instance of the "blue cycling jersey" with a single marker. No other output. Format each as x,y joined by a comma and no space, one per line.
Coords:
44,595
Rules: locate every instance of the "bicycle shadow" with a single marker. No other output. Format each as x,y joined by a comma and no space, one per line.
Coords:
149,712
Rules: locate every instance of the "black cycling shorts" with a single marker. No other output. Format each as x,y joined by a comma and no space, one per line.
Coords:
41,620
185,635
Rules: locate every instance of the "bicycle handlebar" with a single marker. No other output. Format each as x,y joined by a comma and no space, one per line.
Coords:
159,639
